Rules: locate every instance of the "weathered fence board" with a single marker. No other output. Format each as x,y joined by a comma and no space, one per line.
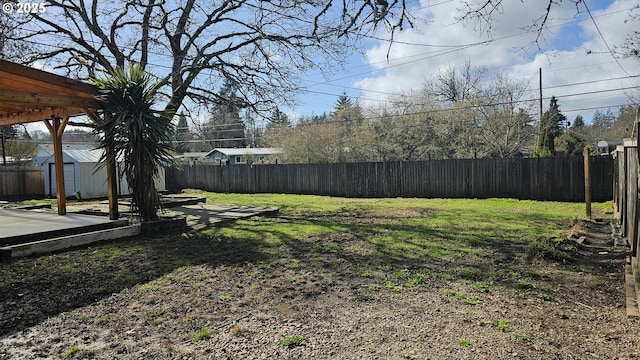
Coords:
556,178
20,182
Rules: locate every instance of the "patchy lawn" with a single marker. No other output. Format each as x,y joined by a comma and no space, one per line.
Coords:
333,278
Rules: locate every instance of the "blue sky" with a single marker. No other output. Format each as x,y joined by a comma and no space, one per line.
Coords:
576,63
577,66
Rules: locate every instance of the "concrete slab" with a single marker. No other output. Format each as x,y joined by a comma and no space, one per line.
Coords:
48,245
27,232
124,205
205,215
18,225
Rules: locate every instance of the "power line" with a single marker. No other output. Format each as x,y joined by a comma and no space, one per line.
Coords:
457,45
395,125
603,39
452,48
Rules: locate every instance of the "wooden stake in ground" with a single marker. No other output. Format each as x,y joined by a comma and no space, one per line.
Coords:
587,182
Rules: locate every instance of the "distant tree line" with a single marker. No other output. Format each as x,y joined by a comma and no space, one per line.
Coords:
460,113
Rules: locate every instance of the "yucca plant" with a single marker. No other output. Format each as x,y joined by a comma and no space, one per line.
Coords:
136,133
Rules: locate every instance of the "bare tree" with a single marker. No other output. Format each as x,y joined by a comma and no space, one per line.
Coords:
483,13
403,130
506,124
631,46
9,29
18,146
479,115
191,46
455,84
309,142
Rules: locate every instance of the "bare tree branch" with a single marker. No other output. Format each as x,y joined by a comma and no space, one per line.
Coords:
482,14
192,46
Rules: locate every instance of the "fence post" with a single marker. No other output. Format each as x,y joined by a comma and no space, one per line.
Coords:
385,192
587,183
634,239
344,179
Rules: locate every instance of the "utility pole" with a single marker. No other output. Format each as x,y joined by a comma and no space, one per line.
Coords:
540,86
540,100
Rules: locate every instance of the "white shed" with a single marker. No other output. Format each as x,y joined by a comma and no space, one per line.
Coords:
82,176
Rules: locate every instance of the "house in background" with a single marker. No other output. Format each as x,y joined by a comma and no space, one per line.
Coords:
242,156
191,158
83,177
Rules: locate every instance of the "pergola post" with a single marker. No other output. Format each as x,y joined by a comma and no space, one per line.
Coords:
112,178
56,127
112,184
112,187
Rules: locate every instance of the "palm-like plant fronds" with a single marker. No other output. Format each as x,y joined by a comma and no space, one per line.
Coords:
133,132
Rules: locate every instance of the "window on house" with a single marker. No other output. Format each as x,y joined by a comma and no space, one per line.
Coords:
240,160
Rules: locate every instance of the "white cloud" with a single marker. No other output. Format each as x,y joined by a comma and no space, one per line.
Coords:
409,64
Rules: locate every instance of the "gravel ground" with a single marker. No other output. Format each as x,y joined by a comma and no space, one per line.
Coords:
246,308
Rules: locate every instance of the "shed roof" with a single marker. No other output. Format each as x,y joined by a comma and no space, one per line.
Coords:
48,148
85,156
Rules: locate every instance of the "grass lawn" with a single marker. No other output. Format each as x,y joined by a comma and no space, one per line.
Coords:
420,236
495,275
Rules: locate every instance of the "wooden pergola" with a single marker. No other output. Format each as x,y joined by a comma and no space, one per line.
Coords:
30,95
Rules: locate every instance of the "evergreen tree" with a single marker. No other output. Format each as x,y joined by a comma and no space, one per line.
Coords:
254,133
624,125
578,122
226,128
570,143
316,119
183,136
551,125
347,111
343,102
278,118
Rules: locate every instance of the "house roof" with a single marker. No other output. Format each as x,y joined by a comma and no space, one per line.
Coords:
48,148
29,95
85,156
191,155
246,151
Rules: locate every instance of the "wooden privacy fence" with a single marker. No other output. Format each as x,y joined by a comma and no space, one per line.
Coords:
626,202
20,182
555,178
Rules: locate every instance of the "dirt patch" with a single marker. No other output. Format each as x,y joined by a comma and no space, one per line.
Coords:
239,302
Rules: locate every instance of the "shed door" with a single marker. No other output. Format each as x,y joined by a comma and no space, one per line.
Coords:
69,179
